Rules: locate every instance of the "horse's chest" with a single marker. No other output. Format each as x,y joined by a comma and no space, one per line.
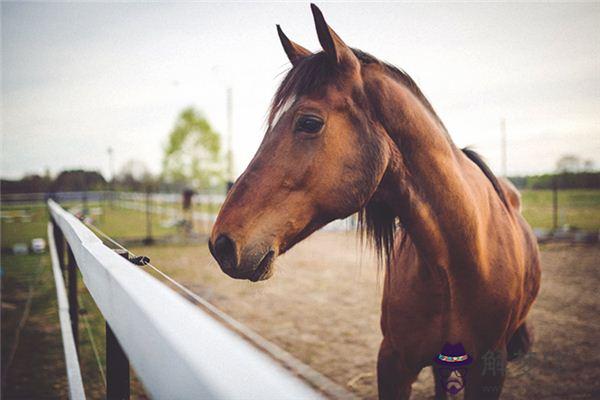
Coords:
419,318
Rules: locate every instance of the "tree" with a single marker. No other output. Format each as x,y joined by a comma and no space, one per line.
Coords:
568,163
78,180
588,165
28,184
134,175
193,152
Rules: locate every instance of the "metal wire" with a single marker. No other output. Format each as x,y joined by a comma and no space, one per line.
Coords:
93,343
105,236
315,378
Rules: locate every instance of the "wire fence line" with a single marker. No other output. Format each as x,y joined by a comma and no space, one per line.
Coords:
90,334
316,379
174,359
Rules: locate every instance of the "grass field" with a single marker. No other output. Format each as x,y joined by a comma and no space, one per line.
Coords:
32,353
20,224
576,208
122,223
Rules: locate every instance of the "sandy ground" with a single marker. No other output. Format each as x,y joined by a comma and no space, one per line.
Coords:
323,303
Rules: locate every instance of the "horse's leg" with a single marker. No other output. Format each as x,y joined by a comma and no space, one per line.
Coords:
440,391
485,377
394,380
520,342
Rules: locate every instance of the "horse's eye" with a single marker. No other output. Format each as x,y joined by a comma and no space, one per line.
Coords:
308,124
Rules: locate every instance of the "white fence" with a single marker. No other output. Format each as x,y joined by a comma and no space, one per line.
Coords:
76,391
176,350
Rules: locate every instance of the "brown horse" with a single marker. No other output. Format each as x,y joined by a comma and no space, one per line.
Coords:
348,133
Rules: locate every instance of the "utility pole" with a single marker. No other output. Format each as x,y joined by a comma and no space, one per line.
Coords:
555,202
503,146
229,138
111,170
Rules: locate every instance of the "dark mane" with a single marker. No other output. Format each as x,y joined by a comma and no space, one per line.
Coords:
376,221
476,158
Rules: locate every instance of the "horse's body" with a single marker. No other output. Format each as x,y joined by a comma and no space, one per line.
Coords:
477,293
349,133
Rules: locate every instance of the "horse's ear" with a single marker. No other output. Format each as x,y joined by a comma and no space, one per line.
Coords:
333,46
294,51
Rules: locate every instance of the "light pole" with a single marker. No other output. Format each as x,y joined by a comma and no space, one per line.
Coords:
217,70
229,137
503,145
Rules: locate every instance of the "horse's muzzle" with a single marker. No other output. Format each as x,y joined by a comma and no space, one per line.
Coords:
252,265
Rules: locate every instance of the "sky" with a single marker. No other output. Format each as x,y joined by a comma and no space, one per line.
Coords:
78,78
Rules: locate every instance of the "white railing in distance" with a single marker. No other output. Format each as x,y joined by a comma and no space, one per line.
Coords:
177,350
76,391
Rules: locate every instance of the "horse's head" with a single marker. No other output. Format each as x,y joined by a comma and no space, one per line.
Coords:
321,159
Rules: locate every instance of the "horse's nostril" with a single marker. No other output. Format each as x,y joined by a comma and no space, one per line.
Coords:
224,252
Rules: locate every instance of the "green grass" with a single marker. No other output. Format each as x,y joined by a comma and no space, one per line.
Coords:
115,221
577,208
16,229
29,300
37,369
124,223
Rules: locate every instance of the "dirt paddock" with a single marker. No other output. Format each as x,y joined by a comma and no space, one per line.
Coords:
322,306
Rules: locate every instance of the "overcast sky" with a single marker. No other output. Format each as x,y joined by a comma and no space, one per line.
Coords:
78,78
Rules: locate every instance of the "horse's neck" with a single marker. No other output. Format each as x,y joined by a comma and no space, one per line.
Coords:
427,183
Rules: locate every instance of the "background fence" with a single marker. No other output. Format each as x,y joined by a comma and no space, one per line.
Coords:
137,218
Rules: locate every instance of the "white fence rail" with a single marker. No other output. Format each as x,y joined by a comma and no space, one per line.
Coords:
176,350
76,391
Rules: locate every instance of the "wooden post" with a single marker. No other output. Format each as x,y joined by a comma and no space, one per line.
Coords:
85,204
117,365
59,240
72,295
188,211
148,239
117,368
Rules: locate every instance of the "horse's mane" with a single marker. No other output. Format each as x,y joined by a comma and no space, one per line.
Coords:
476,158
376,220
314,71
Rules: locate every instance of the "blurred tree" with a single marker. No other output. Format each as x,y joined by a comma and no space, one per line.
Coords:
566,180
568,163
28,184
135,175
192,155
588,165
76,180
